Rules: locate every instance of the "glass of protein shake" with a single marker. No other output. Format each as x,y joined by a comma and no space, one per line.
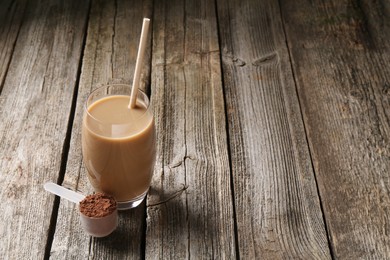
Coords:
119,144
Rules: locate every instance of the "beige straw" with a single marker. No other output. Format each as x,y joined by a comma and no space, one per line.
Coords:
140,57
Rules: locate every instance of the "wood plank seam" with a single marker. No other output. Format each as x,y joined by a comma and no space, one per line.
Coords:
185,140
13,48
113,36
229,149
330,244
66,144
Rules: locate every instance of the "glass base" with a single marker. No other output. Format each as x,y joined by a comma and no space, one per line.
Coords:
123,205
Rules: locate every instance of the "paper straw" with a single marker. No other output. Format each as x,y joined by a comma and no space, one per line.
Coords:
138,64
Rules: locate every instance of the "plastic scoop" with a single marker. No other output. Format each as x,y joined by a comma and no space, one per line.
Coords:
94,226
63,192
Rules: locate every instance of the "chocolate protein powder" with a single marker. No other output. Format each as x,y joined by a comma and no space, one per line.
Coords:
97,205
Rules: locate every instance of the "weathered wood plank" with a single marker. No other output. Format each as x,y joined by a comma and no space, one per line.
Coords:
37,97
11,15
277,207
192,147
109,56
341,55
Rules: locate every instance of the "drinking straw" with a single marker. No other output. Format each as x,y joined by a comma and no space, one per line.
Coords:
140,57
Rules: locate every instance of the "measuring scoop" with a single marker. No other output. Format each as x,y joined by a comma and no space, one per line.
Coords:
94,226
64,192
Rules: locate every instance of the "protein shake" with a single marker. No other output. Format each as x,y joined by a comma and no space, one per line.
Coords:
118,144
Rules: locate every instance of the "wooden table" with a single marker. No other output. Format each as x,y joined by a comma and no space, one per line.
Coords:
273,123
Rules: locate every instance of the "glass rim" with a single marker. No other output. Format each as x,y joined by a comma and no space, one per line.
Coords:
140,92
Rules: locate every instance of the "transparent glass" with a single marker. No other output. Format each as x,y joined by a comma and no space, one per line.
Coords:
119,144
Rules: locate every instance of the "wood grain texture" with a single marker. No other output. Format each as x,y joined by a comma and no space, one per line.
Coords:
341,56
192,148
277,207
110,52
11,15
35,108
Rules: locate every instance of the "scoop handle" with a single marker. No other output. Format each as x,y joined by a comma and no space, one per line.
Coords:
63,192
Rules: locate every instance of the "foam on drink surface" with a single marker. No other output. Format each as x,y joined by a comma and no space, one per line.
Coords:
111,117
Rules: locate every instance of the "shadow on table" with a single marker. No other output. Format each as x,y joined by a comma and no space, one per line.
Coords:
174,218
171,221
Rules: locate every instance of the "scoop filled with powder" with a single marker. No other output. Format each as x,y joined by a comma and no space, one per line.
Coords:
99,214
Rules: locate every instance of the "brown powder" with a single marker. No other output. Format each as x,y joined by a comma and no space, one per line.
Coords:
97,205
